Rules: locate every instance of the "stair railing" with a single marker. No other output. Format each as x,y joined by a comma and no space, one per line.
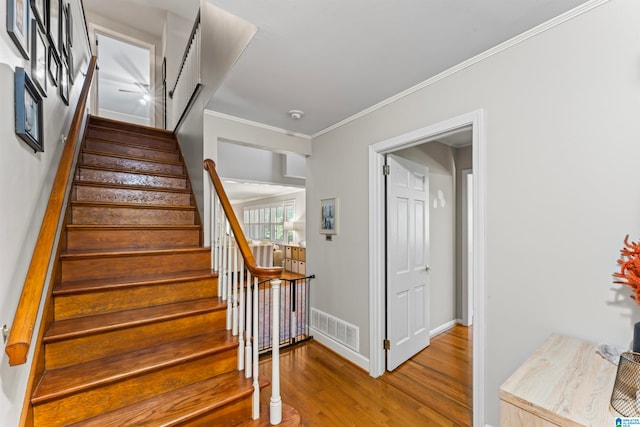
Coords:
24,320
232,256
188,82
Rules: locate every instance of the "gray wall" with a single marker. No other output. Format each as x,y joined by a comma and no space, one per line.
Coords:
561,130
26,182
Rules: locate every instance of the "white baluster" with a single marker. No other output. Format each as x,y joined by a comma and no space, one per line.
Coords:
256,384
241,317
231,248
223,267
249,337
275,413
234,329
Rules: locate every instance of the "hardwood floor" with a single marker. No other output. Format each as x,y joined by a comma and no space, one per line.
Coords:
431,389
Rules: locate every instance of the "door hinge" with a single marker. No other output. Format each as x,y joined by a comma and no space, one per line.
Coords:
387,344
386,170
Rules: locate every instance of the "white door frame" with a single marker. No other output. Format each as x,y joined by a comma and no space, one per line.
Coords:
94,31
467,285
377,202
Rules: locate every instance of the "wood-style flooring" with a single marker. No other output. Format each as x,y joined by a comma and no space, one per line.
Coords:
431,389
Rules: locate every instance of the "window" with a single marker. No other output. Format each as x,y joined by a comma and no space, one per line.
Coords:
267,222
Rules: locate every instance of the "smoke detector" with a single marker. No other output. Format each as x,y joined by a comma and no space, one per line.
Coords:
296,114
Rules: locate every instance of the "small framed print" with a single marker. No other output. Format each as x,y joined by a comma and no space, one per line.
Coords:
54,66
72,72
39,58
18,24
63,83
69,25
28,108
38,8
53,24
63,21
329,216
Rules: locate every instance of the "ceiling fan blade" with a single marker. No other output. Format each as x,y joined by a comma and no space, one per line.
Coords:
131,91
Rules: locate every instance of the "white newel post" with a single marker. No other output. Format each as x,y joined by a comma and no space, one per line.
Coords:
275,413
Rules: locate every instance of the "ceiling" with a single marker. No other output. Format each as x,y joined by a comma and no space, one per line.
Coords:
334,58
238,191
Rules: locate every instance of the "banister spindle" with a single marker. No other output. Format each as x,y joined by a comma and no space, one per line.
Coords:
249,337
275,406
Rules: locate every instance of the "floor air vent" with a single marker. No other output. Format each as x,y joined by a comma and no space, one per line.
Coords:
339,330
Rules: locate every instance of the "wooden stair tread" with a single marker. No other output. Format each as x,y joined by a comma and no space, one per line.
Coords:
132,171
155,132
130,157
178,406
131,252
132,205
76,378
132,187
132,145
96,285
100,323
133,227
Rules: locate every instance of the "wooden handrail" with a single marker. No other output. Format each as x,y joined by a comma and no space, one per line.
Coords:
24,320
243,246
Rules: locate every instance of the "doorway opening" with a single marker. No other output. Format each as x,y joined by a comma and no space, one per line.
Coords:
125,78
377,201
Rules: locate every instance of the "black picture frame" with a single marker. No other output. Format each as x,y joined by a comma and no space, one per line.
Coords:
39,58
71,65
53,24
69,25
63,21
18,20
63,82
28,110
54,66
38,7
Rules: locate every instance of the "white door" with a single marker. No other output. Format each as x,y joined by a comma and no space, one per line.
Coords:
407,259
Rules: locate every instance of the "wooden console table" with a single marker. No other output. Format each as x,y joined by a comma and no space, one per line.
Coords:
564,383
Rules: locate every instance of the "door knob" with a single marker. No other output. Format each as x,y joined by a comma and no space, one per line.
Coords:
427,268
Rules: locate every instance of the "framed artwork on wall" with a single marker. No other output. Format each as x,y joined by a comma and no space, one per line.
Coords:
18,24
63,82
38,8
54,66
28,108
329,216
53,23
39,58
63,21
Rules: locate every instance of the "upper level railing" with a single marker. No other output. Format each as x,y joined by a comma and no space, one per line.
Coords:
23,325
188,82
232,257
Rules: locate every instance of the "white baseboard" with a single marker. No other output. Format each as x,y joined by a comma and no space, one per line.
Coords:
444,328
343,351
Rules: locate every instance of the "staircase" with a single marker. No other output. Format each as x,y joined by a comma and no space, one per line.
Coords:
137,333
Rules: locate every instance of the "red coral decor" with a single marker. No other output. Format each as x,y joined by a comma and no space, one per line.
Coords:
629,263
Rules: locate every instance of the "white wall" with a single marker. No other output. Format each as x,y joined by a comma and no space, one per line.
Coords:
463,162
253,164
176,31
562,131
24,191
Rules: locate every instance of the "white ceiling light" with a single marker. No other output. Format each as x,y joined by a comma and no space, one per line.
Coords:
296,114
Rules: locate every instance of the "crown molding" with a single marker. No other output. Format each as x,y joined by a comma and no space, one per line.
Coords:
254,124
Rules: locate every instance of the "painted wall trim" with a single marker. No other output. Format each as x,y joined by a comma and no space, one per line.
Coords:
377,245
256,124
347,353
567,16
443,328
